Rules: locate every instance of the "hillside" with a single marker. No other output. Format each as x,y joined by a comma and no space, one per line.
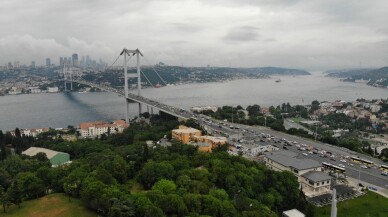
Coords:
375,77
56,205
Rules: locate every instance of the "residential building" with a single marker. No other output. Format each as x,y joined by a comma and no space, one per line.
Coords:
315,182
213,140
98,128
203,146
185,134
56,158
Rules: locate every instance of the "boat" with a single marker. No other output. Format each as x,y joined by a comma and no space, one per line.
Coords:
278,80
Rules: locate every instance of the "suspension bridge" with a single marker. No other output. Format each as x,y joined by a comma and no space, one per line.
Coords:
130,97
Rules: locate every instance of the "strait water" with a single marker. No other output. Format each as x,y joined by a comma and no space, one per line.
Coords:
61,110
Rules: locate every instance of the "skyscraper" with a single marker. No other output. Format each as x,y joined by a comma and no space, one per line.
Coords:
48,62
33,64
75,62
60,61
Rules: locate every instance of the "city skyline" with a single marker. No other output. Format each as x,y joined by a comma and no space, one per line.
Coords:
296,34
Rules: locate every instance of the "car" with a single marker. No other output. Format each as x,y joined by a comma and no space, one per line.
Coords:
341,165
310,152
285,148
351,165
364,167
305,154
343,161
332,159
384,173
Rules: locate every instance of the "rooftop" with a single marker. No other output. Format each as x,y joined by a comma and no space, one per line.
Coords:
287,158
32,151
293,213
316,176
186,130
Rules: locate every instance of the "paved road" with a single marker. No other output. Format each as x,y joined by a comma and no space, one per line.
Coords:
253,134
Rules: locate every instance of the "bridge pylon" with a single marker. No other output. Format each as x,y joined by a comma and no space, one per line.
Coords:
126,53
67,74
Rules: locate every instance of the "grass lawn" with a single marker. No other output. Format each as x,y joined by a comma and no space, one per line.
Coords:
53,205
370,205
297,120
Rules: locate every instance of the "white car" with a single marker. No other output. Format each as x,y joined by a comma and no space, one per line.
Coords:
341,165
343,161
305,154
365,167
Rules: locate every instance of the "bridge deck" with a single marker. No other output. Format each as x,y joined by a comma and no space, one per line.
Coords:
177,112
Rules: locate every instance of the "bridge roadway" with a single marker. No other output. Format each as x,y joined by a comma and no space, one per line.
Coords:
177,112
253,135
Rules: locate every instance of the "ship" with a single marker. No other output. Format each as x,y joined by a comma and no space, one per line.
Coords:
278,80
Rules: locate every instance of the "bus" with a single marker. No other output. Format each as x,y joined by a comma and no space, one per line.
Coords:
333,167
384,167
363,161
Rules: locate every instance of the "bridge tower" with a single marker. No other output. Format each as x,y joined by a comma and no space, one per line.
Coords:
67,73
126,53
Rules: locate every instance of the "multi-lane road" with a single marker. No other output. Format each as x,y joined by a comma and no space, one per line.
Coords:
254,136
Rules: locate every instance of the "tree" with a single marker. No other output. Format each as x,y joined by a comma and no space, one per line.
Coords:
30,185
164,186
315,105
153,172
253,110
3,198
14,194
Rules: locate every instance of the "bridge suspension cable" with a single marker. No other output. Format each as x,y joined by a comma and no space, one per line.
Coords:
147,78
164,82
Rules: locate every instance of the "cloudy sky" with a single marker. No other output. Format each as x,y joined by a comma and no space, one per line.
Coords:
310,34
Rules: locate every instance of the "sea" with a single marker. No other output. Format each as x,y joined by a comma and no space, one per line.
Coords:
58,110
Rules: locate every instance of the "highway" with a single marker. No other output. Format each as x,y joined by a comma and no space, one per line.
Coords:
254,136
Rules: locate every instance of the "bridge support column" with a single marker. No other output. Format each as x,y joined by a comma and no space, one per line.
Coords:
152,110
139,109
148,109
127,111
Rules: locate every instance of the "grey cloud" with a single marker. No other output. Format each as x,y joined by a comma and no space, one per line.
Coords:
302,34
244,33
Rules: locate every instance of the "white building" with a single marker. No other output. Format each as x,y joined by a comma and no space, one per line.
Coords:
98,128
52,89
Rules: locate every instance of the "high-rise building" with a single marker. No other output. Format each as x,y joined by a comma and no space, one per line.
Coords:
33,64
65,60
75,62
48,61
61,61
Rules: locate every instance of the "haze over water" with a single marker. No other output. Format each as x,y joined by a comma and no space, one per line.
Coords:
61,110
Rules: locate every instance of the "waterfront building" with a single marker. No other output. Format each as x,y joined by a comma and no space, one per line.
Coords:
52,89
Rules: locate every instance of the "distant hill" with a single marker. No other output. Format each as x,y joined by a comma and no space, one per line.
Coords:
378,77
375,77
278,71
347,73
178,74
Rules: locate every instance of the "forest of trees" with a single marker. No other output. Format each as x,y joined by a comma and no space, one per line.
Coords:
120,175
